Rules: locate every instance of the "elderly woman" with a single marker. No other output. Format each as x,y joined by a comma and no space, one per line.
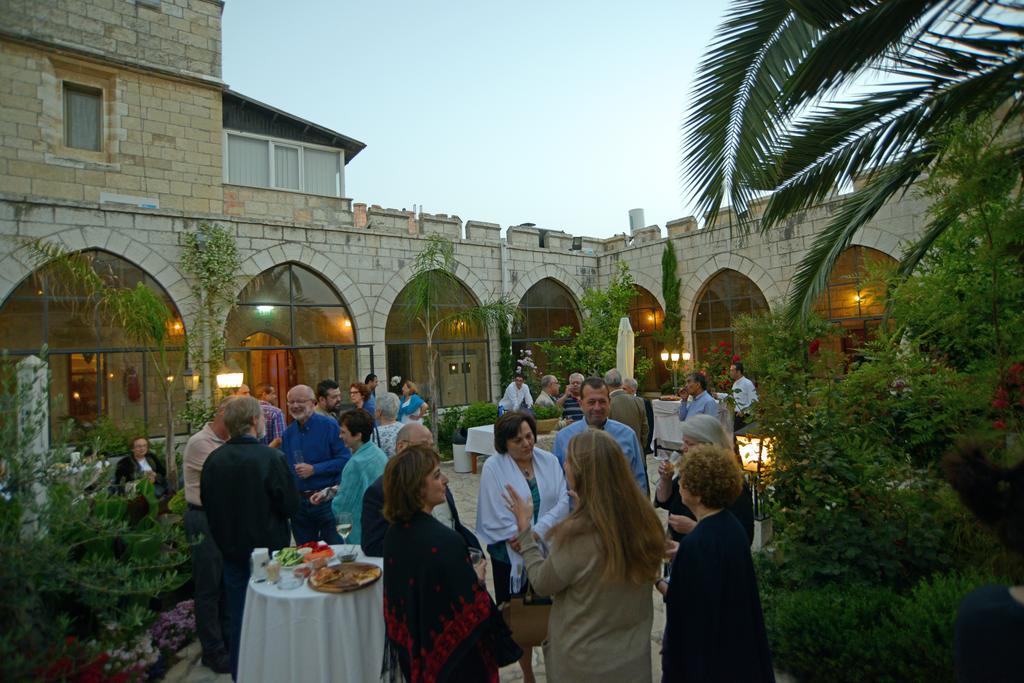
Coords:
141,463
412,407
363,468
387,427
441,623
714,628
599,571
534,474
699,429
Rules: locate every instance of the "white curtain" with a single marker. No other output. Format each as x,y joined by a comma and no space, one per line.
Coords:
322,169
286,167
248,161
82,118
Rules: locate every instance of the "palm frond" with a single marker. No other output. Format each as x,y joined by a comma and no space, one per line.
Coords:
813,273
734,120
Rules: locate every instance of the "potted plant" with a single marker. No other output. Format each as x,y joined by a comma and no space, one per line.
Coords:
547,418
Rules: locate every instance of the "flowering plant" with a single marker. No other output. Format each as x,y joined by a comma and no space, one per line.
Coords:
1008,399
78,662
175,628
134,658
715,367
396,380
526,366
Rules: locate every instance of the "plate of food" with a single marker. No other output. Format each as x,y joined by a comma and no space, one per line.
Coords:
344,578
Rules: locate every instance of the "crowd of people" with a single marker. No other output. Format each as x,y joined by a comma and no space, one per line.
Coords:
574,527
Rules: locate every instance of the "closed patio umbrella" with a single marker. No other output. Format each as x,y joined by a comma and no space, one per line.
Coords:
624,348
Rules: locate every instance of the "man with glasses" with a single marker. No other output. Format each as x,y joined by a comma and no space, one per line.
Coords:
312,444
701,401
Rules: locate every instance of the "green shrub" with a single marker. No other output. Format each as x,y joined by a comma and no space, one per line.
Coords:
546,412
828,633
479,414
446,426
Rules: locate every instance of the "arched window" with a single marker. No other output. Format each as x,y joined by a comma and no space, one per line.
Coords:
95,370
291,327
647,319
546,307
462,360
851,300
727,295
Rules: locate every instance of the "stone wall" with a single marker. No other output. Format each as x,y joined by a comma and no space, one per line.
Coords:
161,137
175,36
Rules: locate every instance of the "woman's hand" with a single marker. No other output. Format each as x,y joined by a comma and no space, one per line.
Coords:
671,548
666,470
481,571
681,524
520,507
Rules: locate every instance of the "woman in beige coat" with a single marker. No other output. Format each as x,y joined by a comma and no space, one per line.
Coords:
604,558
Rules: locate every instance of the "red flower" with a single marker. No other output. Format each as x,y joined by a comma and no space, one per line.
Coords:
813,348
999,424
736,358
1000,404
721,343
705,349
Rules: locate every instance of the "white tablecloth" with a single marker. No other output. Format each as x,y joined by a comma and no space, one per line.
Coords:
480,440
666,421
304,635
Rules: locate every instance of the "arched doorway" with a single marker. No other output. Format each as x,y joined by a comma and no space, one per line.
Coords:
648,319
96,371
462,367
852,300
546,307
291,327
725,296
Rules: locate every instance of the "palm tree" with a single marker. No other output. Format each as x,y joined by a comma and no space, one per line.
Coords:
782,106
429,306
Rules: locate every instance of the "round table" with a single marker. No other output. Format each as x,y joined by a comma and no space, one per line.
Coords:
305,635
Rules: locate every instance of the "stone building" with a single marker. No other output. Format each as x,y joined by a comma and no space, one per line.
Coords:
119,135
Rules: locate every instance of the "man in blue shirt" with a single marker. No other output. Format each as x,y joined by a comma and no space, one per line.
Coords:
596,405
702,401
316,456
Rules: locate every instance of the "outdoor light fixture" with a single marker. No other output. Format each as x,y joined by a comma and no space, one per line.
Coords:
190,378
466,368
347,323
675,356
170,378
230,377
264,310
674,360
664,356
686,356
453,368
755,452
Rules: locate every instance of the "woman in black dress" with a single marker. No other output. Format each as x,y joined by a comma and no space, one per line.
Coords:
441,622
141,462
990,622
714,628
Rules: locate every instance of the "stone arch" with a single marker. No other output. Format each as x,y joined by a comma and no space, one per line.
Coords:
871,237
18,265
651,284
546,271
476,287
320,264
760,277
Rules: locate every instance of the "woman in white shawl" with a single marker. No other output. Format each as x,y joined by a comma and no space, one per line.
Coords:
517,395
534,474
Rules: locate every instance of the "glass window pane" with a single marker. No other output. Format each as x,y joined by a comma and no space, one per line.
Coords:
21,324
248,161
269,287
322,325
121,380
726,296
286,167
310,288
322,171
83,117
313,365
259,326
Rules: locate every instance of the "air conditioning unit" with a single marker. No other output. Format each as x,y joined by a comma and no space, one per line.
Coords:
577,243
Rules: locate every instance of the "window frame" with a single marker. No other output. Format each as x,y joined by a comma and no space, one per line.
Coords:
272,144
84,89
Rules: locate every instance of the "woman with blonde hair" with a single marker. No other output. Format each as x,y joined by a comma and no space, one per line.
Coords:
413,407
603,558
714,628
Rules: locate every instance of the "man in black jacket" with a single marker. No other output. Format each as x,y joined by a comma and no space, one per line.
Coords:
373,522
248,495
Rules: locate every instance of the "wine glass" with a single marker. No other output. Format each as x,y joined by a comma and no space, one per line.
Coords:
297,454
344,525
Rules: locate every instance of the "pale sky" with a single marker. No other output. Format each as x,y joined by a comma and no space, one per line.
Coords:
562,114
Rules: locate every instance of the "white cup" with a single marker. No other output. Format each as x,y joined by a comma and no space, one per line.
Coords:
258,564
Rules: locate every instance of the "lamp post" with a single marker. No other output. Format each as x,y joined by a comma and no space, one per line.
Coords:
755,452
674,360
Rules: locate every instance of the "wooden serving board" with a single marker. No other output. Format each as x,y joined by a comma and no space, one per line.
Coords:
348,577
